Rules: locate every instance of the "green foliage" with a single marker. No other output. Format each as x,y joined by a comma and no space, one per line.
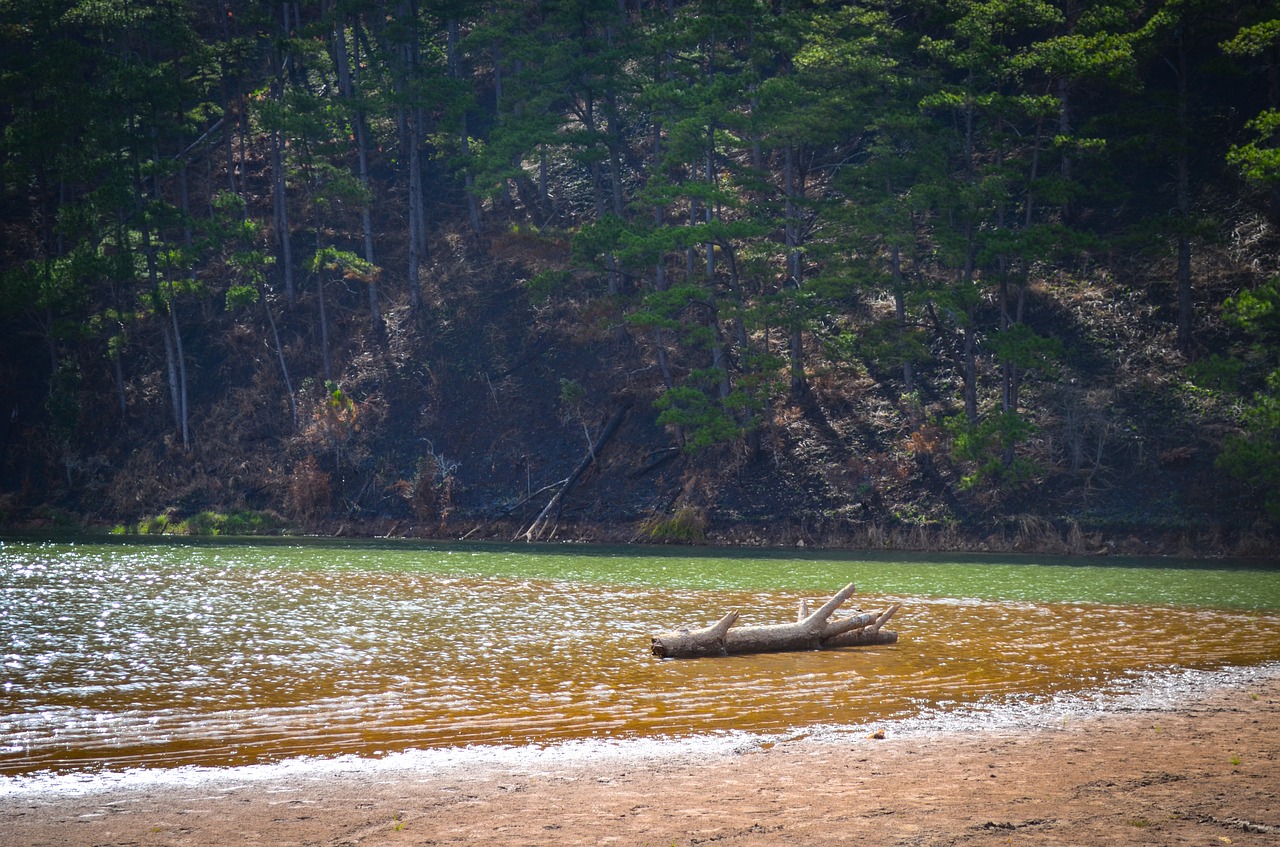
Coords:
63,404
668,308
1217,373
1259,159
597,239
1254,456
989,446
338,407
686,525
241,295
704,421
1019,345
877,344
345,262
206,523
155,525
544,285
754,179
572,394
1256,311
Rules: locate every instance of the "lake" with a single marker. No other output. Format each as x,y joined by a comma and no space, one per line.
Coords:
161,654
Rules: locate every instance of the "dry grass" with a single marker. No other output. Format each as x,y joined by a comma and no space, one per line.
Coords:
309,491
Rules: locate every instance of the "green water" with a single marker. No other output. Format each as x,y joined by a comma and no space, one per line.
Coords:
1238,585
162,654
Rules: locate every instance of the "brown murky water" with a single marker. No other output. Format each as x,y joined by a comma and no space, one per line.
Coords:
161,656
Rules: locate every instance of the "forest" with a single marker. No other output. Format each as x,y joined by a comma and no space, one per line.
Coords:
938,274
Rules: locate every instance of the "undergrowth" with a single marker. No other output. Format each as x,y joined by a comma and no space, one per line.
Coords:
206,523
686,525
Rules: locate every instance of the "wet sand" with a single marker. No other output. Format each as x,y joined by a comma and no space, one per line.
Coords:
1202,770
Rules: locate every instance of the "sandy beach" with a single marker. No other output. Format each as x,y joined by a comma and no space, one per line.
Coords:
1203,769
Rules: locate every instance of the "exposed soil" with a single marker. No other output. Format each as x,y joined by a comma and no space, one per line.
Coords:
1206,772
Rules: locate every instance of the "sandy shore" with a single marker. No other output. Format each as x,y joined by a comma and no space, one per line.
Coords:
1201,770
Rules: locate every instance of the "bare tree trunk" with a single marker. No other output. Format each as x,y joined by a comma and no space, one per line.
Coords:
348,78
184,417
324,314
795,347
189,240
719,360
900,312
242,142
416,215
970,369
117,369
660,284
455,71
282,216
551,513
969,340
812,631
1185,304
1273,101
544,195
171,371
279,181
168,323
597,190
411,119
284,366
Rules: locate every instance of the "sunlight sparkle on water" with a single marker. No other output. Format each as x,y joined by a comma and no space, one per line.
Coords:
164,655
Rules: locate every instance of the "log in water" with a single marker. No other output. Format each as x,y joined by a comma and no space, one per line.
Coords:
811,631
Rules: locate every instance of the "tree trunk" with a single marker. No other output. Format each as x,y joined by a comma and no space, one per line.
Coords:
1185,305
324,312
416,214
795,347
454,64
348,80
1273,101
812,631
544,194
284,366
117,370
282,214
412,123
970,367
279,182
553,508
184,417
900,312
171,370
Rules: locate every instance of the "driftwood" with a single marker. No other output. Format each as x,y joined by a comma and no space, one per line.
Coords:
550,514
811,631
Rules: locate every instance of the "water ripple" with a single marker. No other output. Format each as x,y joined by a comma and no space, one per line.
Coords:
170,656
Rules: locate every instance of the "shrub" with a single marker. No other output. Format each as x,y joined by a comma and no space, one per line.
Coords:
310,491
686,525
990,444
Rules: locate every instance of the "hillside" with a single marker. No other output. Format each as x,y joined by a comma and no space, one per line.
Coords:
852,275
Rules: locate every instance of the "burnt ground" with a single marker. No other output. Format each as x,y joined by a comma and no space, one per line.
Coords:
468,420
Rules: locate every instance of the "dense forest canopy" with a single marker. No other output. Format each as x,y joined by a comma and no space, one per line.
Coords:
941,264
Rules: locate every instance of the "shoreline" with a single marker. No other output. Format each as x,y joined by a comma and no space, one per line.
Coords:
1184,757
1174,551
1205,544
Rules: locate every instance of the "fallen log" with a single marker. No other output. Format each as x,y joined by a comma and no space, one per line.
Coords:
551,512
811,631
